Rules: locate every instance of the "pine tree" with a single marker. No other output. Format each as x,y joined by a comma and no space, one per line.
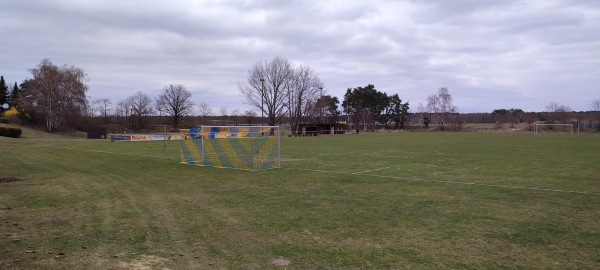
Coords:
3,91
14,95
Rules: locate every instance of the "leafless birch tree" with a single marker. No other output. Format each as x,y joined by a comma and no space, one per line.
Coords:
441,106
56,93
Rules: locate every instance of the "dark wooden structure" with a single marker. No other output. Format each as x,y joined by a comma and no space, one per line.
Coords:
316,129
96,133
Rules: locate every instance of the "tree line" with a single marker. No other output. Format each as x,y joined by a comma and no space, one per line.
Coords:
55,98
281,91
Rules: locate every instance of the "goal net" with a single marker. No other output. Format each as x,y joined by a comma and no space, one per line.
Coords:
251,148
553,129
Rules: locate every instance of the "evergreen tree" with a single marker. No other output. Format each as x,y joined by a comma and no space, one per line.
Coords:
3,92
397,111
365,104
14,94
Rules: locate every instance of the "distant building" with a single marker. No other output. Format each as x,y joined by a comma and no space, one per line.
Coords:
314,129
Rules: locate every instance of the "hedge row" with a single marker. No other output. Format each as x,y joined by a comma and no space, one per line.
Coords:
10,132
3,120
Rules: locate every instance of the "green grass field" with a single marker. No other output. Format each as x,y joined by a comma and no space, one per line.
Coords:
370,201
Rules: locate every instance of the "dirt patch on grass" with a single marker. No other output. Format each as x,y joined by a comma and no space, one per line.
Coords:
281,262
145,262
9,179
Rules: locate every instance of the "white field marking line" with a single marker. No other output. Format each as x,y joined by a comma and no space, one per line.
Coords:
373,170
329,161
107,152
470,155
411,152
294,159
459,182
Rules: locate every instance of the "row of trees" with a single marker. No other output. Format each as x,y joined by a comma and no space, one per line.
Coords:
555,113
56,96
173,107
280,90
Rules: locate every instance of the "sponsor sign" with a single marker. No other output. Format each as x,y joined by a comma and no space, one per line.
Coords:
120,138
160,137
145,137
140,137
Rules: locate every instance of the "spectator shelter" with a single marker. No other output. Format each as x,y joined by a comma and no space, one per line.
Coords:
314,129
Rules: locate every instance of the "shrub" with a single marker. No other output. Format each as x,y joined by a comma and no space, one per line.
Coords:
3,120
11,115
14,132
10,132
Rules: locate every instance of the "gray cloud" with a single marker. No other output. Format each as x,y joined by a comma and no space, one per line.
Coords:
490,54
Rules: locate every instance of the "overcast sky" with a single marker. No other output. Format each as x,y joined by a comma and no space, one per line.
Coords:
490,54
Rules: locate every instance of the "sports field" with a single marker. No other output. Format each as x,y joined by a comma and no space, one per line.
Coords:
370,201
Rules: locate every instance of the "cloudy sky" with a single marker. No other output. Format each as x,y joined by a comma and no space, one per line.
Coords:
490,54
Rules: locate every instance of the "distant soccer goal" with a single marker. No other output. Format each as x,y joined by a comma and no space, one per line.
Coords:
553,129
251,148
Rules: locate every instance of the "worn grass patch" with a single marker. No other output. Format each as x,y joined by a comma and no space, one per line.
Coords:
400,200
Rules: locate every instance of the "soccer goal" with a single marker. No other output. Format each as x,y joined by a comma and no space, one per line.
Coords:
553,129
251,148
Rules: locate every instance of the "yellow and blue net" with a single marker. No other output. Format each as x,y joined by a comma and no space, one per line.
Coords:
233,147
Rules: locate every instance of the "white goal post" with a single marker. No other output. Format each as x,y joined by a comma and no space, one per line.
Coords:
544,128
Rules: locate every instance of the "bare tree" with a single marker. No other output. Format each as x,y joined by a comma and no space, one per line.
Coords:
441,106
175,101
123,111
266,86
90,109
102,106
204,111
56,93
141,108
235,113
595,106
223,111
552,107
250,116
557,112
422,115
302,93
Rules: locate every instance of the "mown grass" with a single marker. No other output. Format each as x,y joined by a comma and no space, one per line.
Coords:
383,201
